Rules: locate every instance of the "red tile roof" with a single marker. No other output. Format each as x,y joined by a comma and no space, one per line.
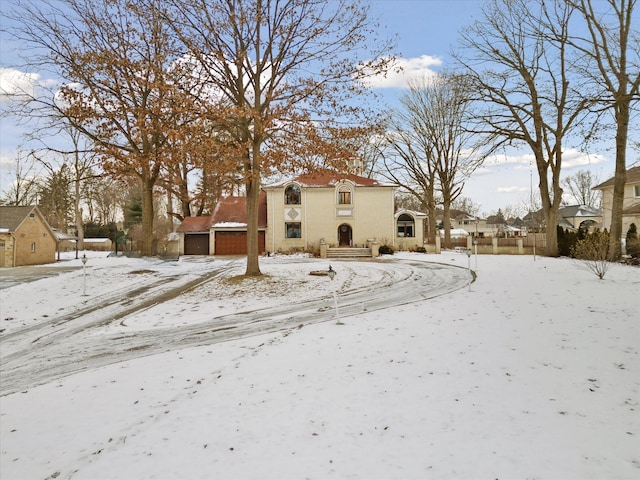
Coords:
234,210
328,178
195,224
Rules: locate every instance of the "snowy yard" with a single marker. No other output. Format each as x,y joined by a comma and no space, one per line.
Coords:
531,373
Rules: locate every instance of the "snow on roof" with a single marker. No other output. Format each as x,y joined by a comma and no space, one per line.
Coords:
229,225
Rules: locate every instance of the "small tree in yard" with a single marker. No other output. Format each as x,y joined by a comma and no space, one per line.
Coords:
633,243
593,252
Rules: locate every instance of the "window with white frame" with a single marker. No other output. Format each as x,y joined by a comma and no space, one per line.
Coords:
293,230
292,195
345,195
406,226
636,191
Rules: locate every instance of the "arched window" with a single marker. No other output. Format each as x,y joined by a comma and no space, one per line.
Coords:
292,195
344,195
406,225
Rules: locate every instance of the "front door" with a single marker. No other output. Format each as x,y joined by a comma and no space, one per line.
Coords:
344,235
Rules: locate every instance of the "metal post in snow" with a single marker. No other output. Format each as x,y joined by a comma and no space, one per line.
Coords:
84,275
332,273
469,266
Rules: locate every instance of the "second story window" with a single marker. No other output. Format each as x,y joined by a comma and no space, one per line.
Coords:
344,195
292,195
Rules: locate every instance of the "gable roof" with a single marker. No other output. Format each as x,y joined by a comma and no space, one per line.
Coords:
571,211
195,224
12,217
232,212
329,178
633,176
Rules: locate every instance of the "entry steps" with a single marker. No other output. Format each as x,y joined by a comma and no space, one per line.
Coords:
348,252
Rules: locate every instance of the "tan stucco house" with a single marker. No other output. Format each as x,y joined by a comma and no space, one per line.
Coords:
630,203
26,238
309,213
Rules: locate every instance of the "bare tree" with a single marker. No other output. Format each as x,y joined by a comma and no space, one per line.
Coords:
529,94
437,152
407,159
277,64
22,189
611,60
580,187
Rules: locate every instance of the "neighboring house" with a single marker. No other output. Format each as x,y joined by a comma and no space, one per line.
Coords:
26,238
460,219
630,203
305,212
576,217
572,217
456,233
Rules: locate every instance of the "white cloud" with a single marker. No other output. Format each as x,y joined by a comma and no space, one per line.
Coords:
14,83
502,160
404,71
572,158
512,189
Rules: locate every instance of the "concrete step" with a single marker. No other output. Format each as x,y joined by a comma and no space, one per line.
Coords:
348,252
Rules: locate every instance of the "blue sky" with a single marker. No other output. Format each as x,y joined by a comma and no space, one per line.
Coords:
426,30
430,28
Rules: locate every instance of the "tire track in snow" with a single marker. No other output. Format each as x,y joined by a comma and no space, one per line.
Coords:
72,348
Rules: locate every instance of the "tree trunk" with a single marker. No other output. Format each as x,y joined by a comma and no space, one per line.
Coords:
447,222
146,248
252,186
620,178
77,213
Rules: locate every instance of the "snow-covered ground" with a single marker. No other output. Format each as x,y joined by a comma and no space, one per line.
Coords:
532,371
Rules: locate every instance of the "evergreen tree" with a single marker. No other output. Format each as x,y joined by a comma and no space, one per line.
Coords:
55,199
633,244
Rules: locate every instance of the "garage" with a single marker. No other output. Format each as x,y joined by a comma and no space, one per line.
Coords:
235,243
196,244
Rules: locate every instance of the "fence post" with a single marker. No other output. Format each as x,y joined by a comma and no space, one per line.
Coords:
494,244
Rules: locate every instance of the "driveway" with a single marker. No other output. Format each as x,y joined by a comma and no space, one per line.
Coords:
15,275
68,342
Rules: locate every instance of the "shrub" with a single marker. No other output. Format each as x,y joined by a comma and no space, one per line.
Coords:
566,241
593,252
385,250
421,250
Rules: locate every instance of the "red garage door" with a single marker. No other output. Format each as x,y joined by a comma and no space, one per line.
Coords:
235,243
196,244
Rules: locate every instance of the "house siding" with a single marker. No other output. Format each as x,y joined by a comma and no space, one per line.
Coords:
6,250
33,232
370,215
629,200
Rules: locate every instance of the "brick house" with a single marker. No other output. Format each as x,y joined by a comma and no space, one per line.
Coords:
26,238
